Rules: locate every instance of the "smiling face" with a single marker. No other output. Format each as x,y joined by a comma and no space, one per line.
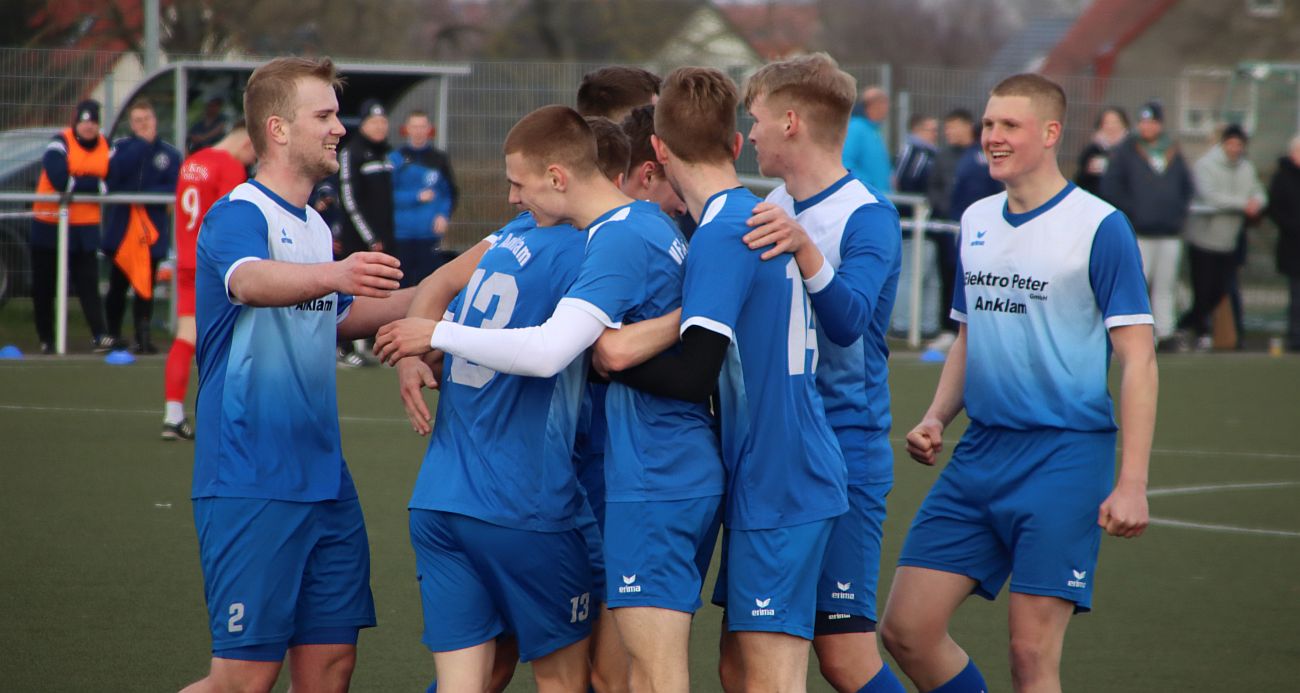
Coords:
1017,139
314,131
144,124
534,189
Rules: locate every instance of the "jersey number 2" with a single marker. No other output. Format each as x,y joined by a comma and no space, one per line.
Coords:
802,335
479,294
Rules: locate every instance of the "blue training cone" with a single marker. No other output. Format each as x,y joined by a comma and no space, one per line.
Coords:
10,352
933,356
121,357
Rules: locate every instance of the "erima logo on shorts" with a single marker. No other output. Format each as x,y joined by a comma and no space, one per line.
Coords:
843,592
1078,582
628,585
762,609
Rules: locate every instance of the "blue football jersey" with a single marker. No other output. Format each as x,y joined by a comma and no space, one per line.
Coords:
1038,292
784,466
267,411
656,448
501,444
857,231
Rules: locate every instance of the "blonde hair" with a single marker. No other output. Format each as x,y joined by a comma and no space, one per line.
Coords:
272,90
1043,93
812,85
696,115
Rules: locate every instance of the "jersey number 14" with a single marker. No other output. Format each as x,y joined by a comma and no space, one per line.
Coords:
802,335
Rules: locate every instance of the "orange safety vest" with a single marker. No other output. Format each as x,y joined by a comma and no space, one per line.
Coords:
80,163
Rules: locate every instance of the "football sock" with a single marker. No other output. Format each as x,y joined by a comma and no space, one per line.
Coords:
174,413
883,682
969,680
176,377
433,687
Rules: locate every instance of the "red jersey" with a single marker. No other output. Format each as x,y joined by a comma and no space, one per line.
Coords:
205,177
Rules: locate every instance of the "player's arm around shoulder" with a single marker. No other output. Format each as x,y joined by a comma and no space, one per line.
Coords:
1125,513
925,440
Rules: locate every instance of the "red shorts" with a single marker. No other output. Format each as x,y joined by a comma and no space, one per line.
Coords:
185,292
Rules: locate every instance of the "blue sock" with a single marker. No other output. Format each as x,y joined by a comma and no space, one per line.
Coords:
970,680
433,687
883,682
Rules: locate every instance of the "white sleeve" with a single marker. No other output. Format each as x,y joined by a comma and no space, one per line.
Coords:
540,351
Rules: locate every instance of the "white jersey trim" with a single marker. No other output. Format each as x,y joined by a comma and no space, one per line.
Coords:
1126,320
708,324
822,279
713,209
957,315
591,310
234,265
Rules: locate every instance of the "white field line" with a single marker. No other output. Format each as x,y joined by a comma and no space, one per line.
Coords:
1215,488
158,412
1226,529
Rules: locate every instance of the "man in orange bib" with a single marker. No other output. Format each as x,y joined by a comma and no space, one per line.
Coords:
75,161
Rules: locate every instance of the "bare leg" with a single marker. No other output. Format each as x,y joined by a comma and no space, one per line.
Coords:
774,662
467,670
236,676
848,660
503,664
731,670
657,641
325,668
610,663
1037,637
564,671
915,625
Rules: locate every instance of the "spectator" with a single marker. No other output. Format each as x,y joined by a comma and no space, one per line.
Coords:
1284,210
76,160
366,191
865,154
1147,179
971,181
1229,192
366,184
210,128
424,197
915,164
1112,128
958,135
137,237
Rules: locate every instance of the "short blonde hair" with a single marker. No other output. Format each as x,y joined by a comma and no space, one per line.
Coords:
272,90
814,86
1043,93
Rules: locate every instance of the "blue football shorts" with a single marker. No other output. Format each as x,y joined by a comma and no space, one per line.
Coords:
1021,504
851,571
479,580
277,574
768,577
657,552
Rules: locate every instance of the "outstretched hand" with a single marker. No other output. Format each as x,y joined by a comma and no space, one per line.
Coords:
367,274
413,375
401,338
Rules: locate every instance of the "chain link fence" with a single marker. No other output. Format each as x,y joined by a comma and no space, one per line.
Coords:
39,89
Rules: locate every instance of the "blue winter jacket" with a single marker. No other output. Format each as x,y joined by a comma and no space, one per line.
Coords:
412,175
139,166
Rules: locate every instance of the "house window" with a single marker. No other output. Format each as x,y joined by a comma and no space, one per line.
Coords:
1208,98
1264,8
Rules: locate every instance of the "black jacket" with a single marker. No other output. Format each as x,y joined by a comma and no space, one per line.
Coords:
1284,210
366,191
1155,203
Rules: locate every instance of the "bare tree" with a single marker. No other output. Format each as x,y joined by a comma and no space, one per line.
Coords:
906,32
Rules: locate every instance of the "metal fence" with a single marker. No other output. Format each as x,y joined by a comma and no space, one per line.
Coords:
38,90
